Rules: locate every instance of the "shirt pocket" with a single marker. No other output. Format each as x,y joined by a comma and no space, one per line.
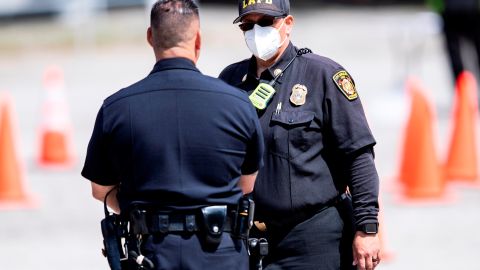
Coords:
293,133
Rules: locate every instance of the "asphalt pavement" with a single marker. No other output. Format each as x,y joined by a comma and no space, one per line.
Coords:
380,46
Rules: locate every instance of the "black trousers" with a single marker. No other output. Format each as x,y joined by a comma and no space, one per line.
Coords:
460,26
188,252
323,242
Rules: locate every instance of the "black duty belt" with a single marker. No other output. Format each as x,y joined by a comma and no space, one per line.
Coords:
143,222
167,223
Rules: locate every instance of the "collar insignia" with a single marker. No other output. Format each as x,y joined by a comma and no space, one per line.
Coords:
276,72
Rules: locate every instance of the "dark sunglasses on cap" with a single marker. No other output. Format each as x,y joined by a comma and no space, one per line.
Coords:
263,22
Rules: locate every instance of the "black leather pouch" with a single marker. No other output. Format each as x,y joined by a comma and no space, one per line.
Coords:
213,222
138,222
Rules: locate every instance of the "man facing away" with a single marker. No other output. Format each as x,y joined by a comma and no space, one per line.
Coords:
178,149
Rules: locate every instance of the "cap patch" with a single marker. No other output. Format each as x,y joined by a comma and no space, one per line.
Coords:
345,83
247,3
273,8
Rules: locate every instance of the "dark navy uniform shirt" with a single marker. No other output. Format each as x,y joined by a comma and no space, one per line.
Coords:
307,145
176,139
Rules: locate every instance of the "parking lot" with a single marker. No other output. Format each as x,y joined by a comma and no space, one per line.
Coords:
380,46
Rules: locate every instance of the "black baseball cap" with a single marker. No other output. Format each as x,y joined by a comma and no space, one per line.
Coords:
274,8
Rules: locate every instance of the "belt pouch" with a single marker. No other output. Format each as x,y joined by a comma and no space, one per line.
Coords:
213,222
138,222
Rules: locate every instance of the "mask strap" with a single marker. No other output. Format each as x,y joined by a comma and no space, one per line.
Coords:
281,44
278,29
281,25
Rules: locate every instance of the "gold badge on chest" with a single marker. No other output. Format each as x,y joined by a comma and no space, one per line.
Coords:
299,94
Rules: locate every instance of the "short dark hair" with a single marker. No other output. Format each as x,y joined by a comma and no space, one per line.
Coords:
170,21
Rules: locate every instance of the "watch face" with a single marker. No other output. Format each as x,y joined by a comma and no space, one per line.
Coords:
370,228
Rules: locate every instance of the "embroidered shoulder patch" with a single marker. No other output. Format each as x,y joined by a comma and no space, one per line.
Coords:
344,82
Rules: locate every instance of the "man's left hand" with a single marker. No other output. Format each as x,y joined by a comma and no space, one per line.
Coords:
366,251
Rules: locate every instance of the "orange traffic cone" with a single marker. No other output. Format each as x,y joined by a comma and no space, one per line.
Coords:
420,172
13,192
462,156
56,150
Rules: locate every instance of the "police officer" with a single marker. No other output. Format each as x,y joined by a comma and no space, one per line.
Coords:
179,145
317,143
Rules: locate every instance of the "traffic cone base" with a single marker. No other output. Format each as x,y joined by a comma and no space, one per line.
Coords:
447,197
465,184
54,147
26,202
425,189
460,176
54,152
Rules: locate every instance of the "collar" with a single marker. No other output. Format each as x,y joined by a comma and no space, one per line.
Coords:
289,53
174,63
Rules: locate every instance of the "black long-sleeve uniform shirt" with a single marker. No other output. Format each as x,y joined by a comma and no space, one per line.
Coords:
316,149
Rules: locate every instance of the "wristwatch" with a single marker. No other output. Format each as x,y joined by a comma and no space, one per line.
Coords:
368,228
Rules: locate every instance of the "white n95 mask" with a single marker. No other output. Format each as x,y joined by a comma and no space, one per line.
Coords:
263,42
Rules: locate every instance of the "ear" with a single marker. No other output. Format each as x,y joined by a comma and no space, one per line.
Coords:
150,36
289,22
198,44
